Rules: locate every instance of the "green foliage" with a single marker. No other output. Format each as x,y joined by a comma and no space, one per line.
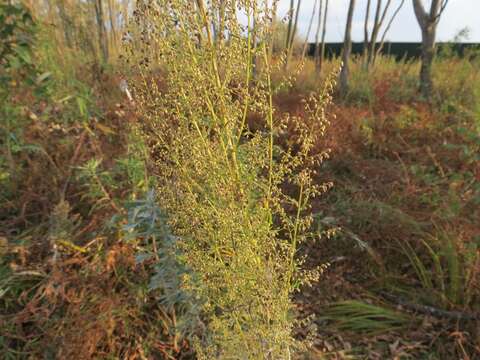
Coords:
406,117
18,75
17,37
209,260
71,77
361,89
449,274
361,317
128,175
133,166
280,38
447,51
147,225
458,93
219,183
97,183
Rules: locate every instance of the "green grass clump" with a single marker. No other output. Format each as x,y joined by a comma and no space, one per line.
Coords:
449,274
361,317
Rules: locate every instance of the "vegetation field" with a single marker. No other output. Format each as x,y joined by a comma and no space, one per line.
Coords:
169,190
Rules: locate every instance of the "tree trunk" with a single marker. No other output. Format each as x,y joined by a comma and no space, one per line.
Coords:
365,32
305,44
293,33
102,33
387,28
273,28
66,23
324,33
428,24
380,15
113,25
316,55
428,53
373,38
290,24
347,49
295,24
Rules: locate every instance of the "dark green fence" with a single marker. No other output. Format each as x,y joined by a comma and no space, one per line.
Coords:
403,50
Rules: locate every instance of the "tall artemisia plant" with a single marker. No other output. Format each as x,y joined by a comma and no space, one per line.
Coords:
201,69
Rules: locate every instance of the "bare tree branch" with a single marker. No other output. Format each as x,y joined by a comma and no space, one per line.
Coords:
420,12
365,28
324,32
387,28
442,9
384,14
317,32
305,44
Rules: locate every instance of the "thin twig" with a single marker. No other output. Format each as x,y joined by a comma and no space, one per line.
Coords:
430,310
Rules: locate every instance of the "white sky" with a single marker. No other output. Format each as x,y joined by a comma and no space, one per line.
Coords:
458,15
